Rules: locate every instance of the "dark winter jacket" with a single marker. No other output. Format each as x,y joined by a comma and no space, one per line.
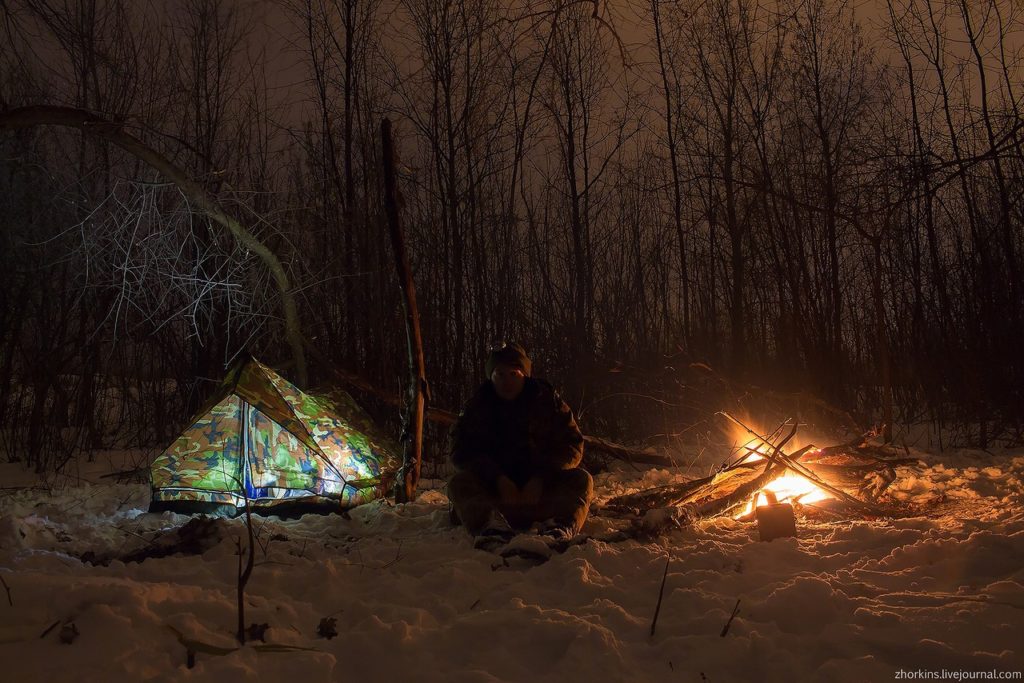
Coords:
532,435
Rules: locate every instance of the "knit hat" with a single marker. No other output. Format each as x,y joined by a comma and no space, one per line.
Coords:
511,354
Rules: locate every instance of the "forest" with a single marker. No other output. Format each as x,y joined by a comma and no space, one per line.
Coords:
812,199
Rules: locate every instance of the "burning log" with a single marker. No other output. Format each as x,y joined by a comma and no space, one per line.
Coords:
722,504
670,495
708,496
807,473
822,471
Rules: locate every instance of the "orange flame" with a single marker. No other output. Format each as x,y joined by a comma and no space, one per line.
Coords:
788,488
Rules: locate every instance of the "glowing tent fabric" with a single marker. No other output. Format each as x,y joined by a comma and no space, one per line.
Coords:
262,439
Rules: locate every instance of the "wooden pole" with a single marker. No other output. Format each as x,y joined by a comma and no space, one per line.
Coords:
412,431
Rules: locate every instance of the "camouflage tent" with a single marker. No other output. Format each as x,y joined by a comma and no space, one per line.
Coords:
261,439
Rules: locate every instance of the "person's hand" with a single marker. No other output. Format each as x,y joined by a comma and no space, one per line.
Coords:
508,492
532,490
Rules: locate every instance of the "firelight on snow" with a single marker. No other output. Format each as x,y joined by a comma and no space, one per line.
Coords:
848,602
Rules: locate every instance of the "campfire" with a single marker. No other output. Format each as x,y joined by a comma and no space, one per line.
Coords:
787,488
769,479
793,489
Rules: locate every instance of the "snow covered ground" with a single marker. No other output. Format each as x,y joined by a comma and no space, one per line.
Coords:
846,601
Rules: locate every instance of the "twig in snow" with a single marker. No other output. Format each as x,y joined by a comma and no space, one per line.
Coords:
8,589
661,594
48,629
125,500
135,471
78,502
735,611
149,541
398,557
243,575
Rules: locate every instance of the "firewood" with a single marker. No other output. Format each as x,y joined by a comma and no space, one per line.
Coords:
627,454
717,494
745,482
855,476
858,443
800,469
803,471
723,504
661,496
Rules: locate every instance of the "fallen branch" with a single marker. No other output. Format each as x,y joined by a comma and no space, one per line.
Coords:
856,444
856,476
628,454
351,379
777,448
658,497
447,417
126,473
743,493
8,589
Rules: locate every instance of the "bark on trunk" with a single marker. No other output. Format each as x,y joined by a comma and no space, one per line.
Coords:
405,487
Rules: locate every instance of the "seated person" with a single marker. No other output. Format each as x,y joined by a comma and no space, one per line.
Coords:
517,450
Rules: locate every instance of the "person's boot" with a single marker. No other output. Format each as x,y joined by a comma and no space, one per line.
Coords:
496,533
556,530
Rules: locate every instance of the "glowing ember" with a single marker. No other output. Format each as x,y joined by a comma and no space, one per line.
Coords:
790,488
795,487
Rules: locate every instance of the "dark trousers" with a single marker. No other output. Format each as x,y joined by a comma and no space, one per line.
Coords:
565,498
